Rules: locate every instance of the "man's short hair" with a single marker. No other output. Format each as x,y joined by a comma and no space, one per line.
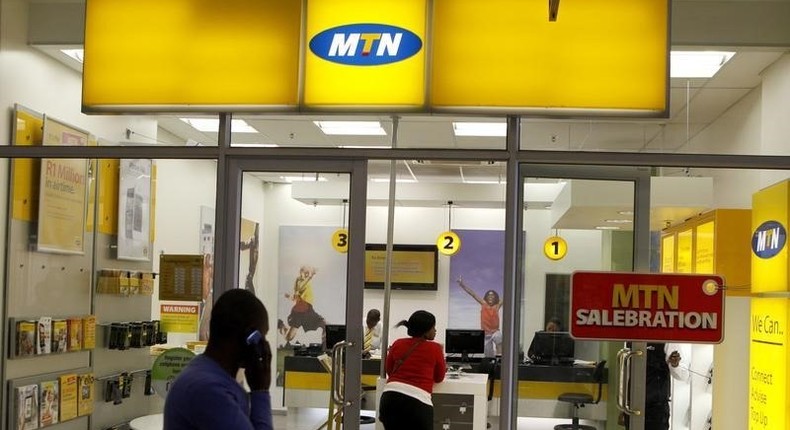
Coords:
235,313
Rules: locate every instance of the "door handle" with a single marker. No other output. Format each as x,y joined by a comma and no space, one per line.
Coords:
336,380
624,357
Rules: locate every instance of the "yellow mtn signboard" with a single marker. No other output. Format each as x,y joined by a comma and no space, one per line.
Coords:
599,56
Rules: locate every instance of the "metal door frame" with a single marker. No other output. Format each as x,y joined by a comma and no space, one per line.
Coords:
228,228
640,177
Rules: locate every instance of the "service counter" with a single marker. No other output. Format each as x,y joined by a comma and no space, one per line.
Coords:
307,383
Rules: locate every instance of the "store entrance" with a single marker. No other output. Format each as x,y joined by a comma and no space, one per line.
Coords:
304,260
591,219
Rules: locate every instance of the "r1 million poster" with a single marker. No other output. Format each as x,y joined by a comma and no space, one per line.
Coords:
62,197
134,210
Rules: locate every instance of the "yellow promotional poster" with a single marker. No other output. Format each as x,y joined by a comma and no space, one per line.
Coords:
179,318
360,54
62,195
144,53
668,254
770,217
703,256
598,54
684,255
768,364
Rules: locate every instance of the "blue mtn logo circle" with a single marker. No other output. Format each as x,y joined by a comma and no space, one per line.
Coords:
769,239
365,44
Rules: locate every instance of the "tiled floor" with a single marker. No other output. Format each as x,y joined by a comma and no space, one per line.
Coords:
312,419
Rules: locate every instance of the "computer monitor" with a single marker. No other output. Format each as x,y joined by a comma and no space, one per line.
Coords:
552,347
464,342
334,333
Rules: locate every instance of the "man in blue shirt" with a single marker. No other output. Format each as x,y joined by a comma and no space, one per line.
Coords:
206,396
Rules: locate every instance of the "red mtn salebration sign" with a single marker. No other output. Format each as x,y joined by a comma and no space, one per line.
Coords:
647,307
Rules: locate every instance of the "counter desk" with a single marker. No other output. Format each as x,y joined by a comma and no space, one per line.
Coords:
306,384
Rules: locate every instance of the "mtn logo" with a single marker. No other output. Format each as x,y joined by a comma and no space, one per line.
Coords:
769,239
365,44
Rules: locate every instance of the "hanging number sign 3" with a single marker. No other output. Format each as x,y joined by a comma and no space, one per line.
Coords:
340,240
555,248
448,243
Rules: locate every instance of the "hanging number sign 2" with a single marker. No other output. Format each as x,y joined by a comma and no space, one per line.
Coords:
448,243
555,248
340,240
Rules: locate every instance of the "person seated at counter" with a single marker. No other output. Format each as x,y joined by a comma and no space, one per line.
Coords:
551,346
372,334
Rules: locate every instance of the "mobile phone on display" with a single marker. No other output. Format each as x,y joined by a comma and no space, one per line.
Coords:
254,341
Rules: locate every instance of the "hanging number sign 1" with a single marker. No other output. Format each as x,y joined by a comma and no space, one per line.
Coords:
340,240
555,248
448,243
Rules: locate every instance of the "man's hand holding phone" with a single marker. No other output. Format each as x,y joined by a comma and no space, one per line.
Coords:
257,368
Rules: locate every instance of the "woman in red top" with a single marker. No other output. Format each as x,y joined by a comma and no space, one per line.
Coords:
413,365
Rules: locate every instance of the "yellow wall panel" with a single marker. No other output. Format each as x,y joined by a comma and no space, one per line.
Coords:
29,131
599,54
771,205
140,53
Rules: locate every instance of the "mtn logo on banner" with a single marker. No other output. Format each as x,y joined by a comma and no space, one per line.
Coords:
769,239
365,44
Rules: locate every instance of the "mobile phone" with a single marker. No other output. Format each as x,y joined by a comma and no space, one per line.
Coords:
254,341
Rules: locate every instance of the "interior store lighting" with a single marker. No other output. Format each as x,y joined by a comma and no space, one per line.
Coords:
607,227
77,55
697,64
480,129
618,221
211,125
351,128
306,178
397,181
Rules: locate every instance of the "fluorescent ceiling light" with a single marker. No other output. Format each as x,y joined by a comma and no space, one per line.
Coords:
625,212
483,182
76,54
211,125
480,129
364,146
397,181
618,221
351,128
607,227
697,64
256,145
305,178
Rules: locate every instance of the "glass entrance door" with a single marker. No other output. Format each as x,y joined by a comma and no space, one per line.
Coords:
576,219
296,236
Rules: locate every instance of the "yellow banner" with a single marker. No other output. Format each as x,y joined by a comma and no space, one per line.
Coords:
770,217
140,53
598,54
361,54
179,318
768,407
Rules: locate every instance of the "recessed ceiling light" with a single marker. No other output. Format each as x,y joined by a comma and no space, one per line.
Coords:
351,128
256,145
481,182
211,125
364,146
697,64
304,178
618,221
77,54
480,129
397,181
607,227
625,212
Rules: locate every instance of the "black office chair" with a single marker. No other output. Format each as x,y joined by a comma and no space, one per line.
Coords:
580,399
